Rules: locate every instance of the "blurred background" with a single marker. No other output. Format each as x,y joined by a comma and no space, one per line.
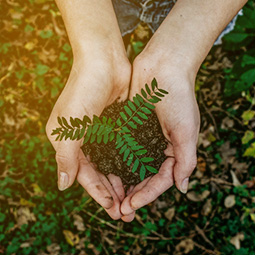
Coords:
217,216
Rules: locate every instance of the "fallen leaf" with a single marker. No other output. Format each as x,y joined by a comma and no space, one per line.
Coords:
71,238
207,208
236,182
78,222
229,201
236,240
169,214
195,197
184,247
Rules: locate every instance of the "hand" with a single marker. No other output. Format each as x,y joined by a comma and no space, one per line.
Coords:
178,115
95,81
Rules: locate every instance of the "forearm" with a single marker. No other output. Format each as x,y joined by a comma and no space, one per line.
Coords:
90,25
191,28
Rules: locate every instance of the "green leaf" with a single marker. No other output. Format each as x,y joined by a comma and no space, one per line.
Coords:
45,34
123,149
63,134
146,110
137,120
74,123
131,105
125,129
88,133
123,116
128,111
130,159
2,217
64,121
152,169
139,98
142,172
119,144
96,119
69,134
144,93
106,138
163,91
159,94
136,101
147,159
95,128
60,121
99,138
86,119
82,132
109,121
126,153
147,89
100,130
250,152
150,106
142,115
136,164
140,152
104,120
79,121
112,136
76,134
132,124
154,84
93,138
248,136
118,122
137,147
41,69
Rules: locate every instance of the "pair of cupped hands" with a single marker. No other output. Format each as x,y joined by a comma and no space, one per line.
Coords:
102,74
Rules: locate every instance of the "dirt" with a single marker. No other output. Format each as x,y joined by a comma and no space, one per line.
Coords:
107,158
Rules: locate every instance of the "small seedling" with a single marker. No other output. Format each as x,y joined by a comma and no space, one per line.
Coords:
104,130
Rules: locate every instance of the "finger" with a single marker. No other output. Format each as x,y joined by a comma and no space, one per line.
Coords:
126,208
67,163
158,184
186,161
114,211
89,179
117,186
128,218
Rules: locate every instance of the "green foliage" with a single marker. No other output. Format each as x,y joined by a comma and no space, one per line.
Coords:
105,130
242,75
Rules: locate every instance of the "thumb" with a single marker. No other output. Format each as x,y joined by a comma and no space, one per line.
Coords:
186,161
67,161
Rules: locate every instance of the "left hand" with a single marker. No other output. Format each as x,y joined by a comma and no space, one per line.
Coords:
179,118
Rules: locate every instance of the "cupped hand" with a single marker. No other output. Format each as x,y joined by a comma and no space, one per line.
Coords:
179,118
95,81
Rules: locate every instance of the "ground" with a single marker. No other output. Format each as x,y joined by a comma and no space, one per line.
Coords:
217,216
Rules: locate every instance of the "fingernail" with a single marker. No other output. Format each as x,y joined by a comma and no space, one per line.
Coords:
185,185
63,181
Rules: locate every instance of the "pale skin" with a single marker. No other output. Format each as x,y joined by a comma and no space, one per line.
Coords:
101,73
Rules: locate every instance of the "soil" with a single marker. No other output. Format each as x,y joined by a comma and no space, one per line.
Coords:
107,158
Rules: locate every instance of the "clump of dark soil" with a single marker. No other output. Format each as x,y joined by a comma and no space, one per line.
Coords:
108,159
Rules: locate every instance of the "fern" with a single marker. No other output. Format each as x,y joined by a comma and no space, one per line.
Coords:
105,130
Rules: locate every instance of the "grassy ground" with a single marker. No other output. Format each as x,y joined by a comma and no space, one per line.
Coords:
217,216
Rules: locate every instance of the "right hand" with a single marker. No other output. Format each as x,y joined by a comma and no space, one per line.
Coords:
95,81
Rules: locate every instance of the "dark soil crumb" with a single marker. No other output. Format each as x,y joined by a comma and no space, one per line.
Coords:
107,158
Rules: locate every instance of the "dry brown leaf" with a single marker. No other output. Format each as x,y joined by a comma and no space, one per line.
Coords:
78,222
236,240
184,247
195,197
23,216
229,201
207,208
169,214
236,182
53,249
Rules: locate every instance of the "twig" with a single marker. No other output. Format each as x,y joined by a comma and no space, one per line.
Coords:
206,250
